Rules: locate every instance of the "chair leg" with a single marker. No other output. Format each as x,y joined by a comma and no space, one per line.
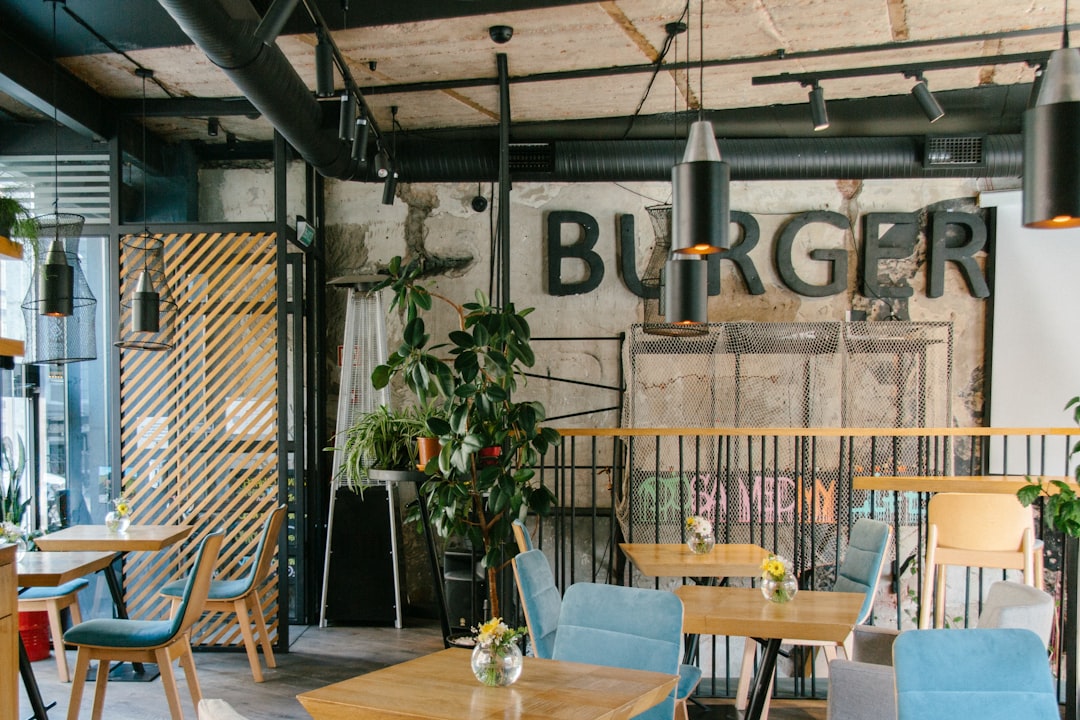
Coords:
82,667
926,598
187,660
241,609
99,689
56,628
939,599
168,683
681,710
264,634
742,693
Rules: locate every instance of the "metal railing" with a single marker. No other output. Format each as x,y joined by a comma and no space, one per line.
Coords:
790,491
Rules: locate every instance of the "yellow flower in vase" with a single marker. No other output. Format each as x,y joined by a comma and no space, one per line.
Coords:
119,518
777,583
497,659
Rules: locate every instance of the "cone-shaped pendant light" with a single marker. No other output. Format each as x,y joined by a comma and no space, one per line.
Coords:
699,195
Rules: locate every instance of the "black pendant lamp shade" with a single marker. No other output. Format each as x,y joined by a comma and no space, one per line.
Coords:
56,281
56,339
147,308
1052,146
699,195
686,293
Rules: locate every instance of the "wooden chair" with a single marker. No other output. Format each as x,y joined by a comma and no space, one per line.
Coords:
521,536
868,544
146,641
975,530
242,596
53,600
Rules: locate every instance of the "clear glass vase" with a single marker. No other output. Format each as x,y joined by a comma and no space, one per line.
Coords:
700,544
497,668
116,523
779,591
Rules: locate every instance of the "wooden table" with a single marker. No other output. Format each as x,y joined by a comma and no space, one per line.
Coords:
147,538
1005,484
677,560
51,569
811,615
441,686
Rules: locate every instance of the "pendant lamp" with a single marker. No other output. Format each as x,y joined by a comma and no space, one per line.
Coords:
1052,143
686,297
56,339
653,281
148,311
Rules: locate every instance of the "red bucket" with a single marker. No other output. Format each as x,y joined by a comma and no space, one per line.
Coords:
34,631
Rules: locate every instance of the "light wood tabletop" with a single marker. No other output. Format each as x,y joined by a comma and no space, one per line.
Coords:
98,537
441,686
811,615
677,560
52,569
1004,484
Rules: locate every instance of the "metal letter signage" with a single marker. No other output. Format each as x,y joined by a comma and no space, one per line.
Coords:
837,258
946,246
582,250
897,243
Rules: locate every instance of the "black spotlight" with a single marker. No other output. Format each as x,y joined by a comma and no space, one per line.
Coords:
929,104
818,112
501,34
389,188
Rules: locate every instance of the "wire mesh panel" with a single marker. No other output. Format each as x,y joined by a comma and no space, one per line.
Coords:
771,375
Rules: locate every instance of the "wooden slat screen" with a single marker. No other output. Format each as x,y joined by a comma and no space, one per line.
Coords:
199,423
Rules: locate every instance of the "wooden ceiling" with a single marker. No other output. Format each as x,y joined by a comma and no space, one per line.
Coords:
583,66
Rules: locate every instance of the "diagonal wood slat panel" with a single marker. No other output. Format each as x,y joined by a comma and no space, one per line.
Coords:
199,423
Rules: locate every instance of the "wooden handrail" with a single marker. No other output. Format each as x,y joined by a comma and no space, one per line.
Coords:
816,432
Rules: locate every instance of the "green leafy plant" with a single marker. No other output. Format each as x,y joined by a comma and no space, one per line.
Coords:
12,465
1062,508
484,478
16,221
384,439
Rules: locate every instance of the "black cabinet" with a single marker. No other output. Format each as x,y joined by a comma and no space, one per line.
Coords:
360,584
465,587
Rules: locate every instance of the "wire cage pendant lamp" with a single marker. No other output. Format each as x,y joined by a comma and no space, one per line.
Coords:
1051,195
147,307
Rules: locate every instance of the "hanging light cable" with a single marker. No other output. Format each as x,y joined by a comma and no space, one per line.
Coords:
1052,142
699,184
57,277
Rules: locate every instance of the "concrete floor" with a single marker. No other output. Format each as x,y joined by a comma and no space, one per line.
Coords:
317,657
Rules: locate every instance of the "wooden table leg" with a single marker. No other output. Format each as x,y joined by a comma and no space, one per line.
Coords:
26,670
759,691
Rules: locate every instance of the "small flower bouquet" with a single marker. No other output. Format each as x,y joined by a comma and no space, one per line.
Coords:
777,583
13,533
699,534
119,518
496,659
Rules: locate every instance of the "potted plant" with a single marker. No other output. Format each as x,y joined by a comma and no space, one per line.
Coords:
472,380
15,220
1062,508
384,439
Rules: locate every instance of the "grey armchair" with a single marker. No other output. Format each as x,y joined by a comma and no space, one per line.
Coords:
863,688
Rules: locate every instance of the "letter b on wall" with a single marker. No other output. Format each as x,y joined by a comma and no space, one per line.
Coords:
580,250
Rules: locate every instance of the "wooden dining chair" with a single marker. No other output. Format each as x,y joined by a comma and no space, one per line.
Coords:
241,597
975,530
627,627
521,536
991,674
53,601
859,572
146,641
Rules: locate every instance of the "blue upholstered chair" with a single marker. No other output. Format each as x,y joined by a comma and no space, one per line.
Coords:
242,596
522,537
622,627
991,674
53,600
868,544
146,641
542,602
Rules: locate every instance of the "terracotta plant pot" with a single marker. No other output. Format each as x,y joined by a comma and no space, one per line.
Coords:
427,449
490,455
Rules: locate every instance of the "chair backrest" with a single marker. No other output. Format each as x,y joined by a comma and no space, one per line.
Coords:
197,586
1015,605
540,600
521,536
991,674
264,551
979,521
868,543
624,627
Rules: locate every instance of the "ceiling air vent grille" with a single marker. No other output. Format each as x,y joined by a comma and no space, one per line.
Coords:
533,158
959,151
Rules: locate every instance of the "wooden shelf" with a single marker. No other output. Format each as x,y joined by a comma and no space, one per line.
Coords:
11,348
10,249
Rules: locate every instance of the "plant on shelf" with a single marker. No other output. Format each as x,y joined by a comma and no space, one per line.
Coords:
1062,508
12,465
16,221
484,478
383,439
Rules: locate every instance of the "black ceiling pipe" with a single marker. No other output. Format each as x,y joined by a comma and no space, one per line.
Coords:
750,159
265,77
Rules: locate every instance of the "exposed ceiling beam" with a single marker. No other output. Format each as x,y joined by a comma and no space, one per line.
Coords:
36,83
188,107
